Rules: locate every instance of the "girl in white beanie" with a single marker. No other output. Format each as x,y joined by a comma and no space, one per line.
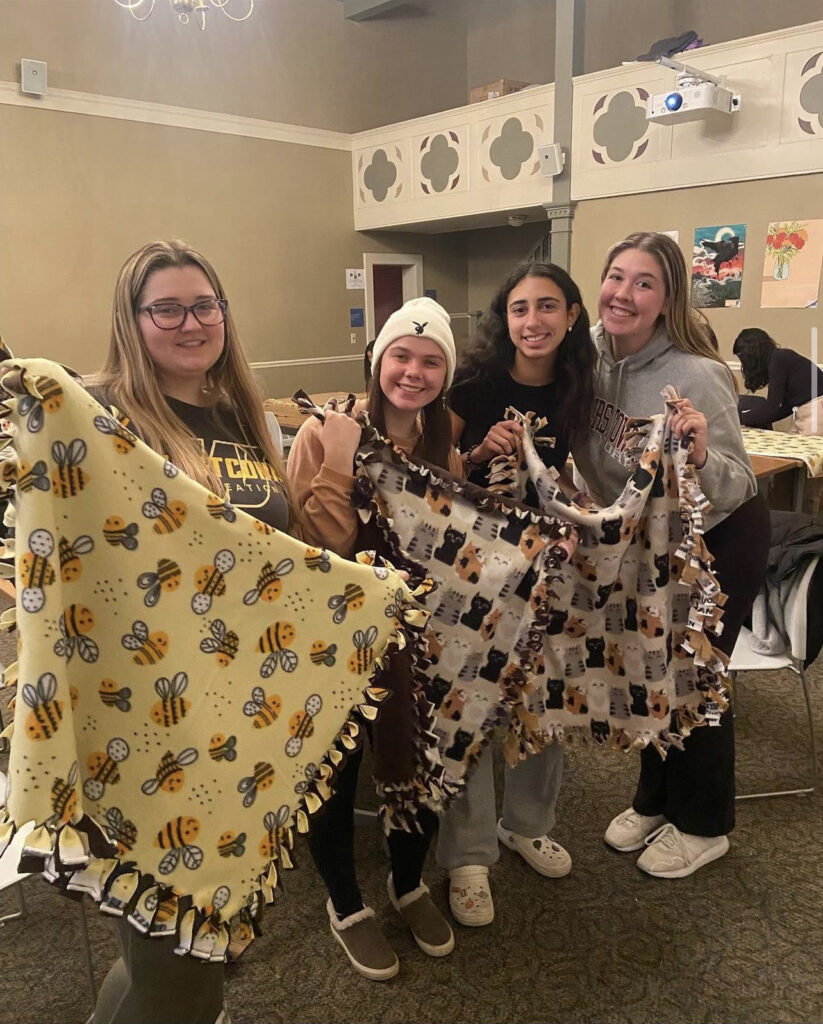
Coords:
412,366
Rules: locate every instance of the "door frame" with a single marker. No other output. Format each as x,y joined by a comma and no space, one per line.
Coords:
412,268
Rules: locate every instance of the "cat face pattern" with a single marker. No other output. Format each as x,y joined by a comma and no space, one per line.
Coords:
602,616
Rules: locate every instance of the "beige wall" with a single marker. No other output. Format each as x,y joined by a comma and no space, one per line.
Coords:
296,61
618,30
276,219
493,252
80,193
598,223
515,38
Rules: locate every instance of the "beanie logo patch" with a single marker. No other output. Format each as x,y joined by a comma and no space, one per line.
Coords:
419,328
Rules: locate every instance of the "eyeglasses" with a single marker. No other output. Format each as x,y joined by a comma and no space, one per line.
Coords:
168,316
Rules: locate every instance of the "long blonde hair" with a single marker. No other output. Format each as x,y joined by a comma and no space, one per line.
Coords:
130,378
685,326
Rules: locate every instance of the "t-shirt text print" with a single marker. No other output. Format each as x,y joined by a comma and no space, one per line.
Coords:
251,482
610,423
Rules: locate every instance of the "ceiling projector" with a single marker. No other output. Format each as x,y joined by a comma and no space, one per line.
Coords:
696,97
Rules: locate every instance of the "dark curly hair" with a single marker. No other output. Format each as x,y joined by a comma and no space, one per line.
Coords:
493,352
754,348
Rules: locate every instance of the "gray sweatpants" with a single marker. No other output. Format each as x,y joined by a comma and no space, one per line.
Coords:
468,829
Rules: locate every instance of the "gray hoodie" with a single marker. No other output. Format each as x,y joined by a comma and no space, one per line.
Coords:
631,387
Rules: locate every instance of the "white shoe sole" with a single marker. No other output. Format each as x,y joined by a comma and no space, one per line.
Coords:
713,853
634,846
628,849
547,870
470,918
372,973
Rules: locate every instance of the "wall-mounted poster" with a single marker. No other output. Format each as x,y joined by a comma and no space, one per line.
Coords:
791,267
717,265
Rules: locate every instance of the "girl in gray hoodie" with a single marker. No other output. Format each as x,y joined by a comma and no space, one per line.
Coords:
648,336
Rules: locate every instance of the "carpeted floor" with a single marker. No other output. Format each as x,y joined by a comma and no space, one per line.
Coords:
740,941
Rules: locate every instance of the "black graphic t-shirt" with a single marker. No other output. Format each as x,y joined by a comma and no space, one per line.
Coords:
250,482
482,402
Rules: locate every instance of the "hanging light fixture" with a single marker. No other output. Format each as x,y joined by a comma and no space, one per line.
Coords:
187,10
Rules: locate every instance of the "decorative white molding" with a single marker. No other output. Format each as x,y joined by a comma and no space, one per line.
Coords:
762,140
478,186
68,102
310,361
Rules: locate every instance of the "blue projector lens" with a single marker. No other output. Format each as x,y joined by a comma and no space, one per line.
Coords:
674,101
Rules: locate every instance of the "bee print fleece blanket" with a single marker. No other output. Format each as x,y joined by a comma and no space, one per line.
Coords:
186,678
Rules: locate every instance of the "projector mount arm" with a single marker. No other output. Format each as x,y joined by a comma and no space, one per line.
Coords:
688,76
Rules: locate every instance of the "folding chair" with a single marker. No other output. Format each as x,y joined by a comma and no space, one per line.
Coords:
746,659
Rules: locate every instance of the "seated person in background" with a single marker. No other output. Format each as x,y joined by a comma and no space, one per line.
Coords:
792,379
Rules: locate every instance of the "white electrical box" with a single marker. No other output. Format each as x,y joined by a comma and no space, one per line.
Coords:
552,159
33,77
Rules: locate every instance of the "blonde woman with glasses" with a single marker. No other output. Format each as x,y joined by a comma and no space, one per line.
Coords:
176,368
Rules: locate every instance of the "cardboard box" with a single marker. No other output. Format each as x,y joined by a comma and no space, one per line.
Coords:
490,91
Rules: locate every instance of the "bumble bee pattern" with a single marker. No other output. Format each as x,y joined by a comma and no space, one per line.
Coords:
116,531
69,552
275,643
104,768
223,748
33,407
166,516
35,572
261,709
126,665
172,707
147,648
46,711
64,798
68,479
165,580
223,643
170,775
124,440
210,581
75,624
121,830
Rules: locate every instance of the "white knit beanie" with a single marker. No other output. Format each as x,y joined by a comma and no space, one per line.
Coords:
418,318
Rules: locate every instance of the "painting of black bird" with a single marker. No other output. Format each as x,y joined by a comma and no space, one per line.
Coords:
724,251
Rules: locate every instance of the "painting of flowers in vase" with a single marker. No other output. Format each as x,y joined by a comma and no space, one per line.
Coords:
791,264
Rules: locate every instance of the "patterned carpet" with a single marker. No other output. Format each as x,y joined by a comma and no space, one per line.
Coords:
740,941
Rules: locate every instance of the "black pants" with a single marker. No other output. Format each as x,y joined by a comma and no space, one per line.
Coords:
694,788
331,841
150,984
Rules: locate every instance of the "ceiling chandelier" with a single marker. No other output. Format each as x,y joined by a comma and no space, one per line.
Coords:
187,10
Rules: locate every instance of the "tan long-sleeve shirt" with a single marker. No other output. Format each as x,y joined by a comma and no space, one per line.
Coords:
323,495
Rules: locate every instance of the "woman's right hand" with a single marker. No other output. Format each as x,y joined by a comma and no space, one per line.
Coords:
500,440
340,438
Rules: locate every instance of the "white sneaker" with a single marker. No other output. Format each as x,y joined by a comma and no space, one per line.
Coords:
470,896
671,853
542,853
628,830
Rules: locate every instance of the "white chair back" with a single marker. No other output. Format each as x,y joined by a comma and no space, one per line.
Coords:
795,611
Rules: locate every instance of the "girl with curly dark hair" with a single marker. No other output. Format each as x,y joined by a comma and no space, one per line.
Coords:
534,353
